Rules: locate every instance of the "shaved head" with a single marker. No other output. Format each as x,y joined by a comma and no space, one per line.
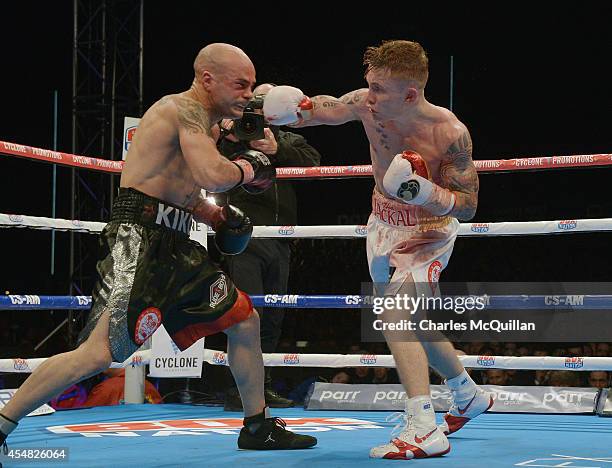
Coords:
263,88
219,58
224,77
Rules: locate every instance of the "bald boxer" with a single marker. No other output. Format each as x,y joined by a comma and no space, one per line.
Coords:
425,181
151,273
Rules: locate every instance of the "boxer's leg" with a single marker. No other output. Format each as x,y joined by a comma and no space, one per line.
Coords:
61,371
468,399
260,431
408,352
246,363
419,437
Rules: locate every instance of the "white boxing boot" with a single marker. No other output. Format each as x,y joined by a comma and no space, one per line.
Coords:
419,437
469,401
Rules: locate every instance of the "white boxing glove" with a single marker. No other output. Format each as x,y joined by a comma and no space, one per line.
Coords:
285,105
407,180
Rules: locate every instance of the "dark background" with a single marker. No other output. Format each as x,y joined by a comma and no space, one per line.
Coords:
526,84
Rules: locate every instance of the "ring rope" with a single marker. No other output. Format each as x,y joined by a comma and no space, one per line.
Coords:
514,228
484,166
214,357
298,301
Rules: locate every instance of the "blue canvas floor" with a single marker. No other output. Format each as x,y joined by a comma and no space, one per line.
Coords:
197,436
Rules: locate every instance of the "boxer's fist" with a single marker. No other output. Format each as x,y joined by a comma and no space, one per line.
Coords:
258,172
286,105
233,230
417,162
406,178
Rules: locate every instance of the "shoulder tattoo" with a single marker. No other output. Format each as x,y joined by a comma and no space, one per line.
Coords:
462,147
193,117
352,98
458,170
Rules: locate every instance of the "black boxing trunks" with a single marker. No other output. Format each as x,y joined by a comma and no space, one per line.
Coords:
151,273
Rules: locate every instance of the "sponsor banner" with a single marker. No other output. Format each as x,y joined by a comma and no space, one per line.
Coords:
531,227
324,172
480,228
44,302
56,157
568,224
509,399
485,361
543,162
390,397
589,363
202,427
7,393
218,358
492,165
24,300
361,230
291,359
168,361
20,365
281,299
286,230
130,124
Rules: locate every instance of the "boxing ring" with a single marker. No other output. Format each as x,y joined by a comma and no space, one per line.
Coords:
192,436
189,435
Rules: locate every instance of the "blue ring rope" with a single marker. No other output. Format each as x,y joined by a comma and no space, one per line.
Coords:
501,302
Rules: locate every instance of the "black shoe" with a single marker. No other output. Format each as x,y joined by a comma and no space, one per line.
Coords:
272,435
274,400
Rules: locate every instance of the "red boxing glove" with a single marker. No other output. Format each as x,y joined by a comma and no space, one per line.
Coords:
418,163
407,179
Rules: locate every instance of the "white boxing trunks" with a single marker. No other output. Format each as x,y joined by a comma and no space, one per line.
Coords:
405,241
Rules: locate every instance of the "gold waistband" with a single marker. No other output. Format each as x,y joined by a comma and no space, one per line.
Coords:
404,216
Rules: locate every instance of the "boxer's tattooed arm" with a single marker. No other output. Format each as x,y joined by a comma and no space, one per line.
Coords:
329,110
329,103
193,117
325,102
459,175
353,98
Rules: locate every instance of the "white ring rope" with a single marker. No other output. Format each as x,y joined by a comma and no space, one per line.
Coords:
358,360
521,228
